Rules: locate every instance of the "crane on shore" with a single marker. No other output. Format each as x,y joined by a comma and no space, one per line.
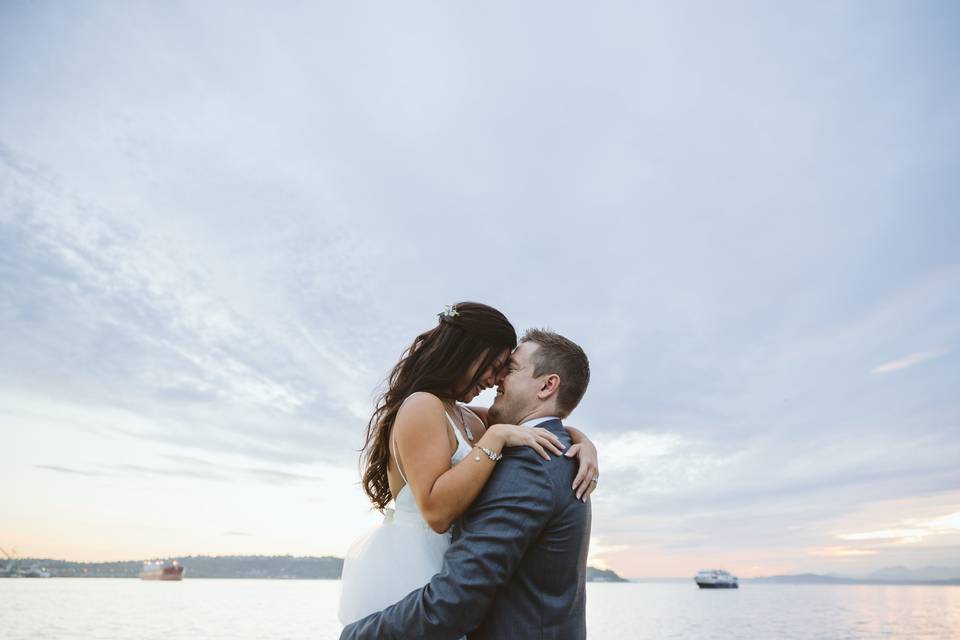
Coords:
14,570
10,569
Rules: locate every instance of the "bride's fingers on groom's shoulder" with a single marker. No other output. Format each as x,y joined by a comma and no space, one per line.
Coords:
591,487
577,479
546,447
545,437
536,447
583,478
549,436
550,445
550,441
572,451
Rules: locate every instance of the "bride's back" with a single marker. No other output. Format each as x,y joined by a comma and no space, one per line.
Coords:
400,554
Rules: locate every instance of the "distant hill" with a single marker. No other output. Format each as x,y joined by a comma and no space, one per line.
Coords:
602,575
239,567
922,573
802,578
813,578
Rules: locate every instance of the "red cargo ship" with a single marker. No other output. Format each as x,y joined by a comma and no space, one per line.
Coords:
159,570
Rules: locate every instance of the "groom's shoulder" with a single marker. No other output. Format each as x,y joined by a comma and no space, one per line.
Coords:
525,464
518,462
520,474
521,456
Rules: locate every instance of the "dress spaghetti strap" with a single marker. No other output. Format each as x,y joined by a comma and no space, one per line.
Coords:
393,443
453,425
396,458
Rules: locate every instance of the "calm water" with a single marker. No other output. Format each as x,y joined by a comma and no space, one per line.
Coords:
111,609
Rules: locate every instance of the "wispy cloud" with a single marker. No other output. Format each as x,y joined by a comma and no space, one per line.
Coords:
902,535
913,532
151,329
61,469
909,361
190,468
599,553
841,552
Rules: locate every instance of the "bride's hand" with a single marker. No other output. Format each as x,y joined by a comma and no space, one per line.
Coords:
583,483
540,440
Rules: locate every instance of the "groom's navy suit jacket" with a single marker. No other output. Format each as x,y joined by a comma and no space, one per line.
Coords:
517,565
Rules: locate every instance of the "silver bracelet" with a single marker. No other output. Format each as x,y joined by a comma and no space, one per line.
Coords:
490,454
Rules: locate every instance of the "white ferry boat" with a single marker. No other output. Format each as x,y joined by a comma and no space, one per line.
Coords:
716,579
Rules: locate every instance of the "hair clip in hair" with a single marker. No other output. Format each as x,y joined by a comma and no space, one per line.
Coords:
449,311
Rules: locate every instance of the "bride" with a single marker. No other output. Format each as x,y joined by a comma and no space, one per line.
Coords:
431,455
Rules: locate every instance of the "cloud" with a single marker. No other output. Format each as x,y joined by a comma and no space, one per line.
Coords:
219,254
841,552
909,361
903,535
192,469
86,287
60,469
599,553
913,532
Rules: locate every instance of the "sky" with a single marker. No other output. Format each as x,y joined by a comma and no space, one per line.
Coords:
221,224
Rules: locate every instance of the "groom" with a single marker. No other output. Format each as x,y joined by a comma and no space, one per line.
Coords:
517,565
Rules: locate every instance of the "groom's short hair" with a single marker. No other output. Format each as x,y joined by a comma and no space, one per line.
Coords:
565,358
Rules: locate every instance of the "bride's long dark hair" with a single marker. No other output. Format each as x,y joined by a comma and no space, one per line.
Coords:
435,362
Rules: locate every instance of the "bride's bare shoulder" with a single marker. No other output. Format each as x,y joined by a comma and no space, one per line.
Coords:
421,401
420,412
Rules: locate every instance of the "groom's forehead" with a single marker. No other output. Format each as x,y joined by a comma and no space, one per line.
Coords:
521,355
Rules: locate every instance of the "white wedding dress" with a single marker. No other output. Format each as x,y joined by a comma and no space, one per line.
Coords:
397,556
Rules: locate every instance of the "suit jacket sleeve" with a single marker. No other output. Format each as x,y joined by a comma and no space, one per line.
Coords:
496,531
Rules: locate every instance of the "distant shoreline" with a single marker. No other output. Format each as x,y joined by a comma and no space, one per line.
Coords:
330,567
813,579
232,568
763,581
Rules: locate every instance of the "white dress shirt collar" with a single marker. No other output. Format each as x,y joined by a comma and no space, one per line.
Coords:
536,421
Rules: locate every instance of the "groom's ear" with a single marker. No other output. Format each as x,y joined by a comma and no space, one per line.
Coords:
548,387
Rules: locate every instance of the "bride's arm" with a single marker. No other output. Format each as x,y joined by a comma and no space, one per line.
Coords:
586,452
443,492
583,449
